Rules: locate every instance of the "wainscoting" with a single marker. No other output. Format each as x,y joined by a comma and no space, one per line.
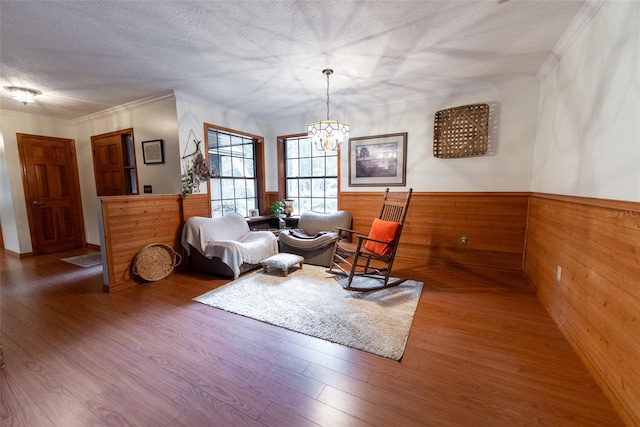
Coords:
595,242
596,302
494,225
196,205
132,222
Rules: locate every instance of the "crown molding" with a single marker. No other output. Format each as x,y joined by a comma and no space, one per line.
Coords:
126,107
580,21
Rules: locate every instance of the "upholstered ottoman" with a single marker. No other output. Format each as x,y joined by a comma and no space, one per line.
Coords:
283,261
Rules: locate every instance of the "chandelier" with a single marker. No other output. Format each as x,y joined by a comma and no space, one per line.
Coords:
328,135
23,94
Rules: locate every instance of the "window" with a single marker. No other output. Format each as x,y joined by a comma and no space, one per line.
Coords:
309,176
237,159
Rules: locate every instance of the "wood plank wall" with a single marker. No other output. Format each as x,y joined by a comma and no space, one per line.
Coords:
132,222
596,303
270,197
494,224
196,205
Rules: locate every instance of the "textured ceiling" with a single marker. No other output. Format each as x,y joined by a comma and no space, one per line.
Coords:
265,57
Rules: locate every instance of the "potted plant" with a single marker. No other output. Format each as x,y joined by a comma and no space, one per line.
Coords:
276,208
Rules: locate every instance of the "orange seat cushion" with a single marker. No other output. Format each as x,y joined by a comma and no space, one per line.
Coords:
385,231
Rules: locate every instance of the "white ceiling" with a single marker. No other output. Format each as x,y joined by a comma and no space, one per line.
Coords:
265,57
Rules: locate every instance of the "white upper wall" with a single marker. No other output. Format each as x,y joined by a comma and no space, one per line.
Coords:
576,133
193,113
13,207
588,139
506,167
151,119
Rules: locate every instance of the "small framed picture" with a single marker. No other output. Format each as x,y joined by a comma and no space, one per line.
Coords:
153,151
378,161
254,213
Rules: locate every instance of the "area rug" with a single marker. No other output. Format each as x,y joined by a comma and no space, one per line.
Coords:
314,302
86,260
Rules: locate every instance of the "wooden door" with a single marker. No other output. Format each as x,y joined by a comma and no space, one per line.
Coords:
52,193
108,165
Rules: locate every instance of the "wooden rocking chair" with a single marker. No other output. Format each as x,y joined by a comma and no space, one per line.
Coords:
372,255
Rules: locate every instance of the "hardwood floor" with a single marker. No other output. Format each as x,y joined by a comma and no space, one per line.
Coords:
482,352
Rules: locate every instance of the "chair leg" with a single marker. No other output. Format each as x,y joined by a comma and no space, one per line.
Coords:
353,269
336,259
368,270
382,274
335,262
386,277
367,267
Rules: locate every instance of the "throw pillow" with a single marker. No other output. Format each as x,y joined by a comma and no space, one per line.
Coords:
385,231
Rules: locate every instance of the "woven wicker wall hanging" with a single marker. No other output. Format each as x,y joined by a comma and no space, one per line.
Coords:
461,131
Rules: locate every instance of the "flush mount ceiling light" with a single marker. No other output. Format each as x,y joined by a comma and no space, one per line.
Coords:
328,135
23,94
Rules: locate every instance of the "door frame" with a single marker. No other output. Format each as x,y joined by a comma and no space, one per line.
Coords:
72,181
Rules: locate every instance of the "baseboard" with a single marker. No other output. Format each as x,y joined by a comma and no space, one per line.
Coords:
14,254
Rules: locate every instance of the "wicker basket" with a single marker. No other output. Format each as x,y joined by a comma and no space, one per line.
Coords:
155,261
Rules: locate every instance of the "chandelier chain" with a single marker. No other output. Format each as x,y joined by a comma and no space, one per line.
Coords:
328,95
330,134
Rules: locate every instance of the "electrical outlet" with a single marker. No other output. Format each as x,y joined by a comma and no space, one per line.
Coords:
463,239
559,274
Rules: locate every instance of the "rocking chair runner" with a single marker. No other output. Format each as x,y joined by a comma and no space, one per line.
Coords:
372,255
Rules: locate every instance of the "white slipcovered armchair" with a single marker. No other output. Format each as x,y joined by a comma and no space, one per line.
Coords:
225,246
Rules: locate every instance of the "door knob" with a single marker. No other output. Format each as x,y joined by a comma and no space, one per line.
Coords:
37,202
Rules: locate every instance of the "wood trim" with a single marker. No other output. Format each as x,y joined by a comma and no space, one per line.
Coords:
260,175
16,254
282,184
271,196
596,302
259,138
589,201
474,193
293,135
260,163
113,133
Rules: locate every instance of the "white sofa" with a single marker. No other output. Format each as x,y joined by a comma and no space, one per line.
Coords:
225,246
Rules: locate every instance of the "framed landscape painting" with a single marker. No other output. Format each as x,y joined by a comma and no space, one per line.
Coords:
378,161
